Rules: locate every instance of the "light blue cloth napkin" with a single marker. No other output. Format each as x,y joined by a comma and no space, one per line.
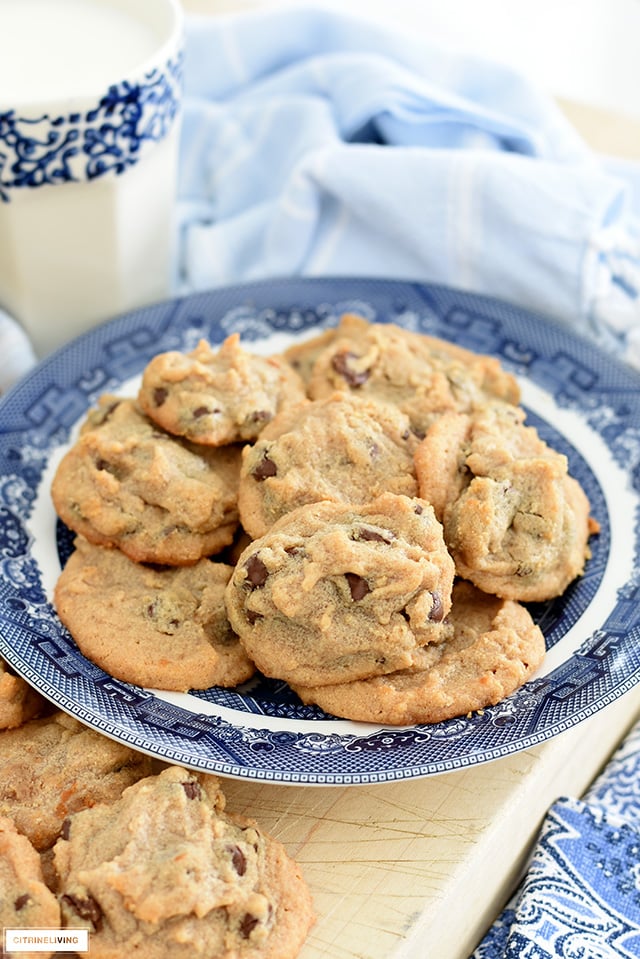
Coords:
580,898
317,143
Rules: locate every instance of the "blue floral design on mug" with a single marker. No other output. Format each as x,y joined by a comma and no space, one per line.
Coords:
109,138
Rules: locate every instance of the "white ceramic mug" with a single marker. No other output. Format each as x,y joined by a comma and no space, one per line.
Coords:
90,95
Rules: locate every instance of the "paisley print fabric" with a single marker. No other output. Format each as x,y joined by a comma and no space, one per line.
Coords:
580,898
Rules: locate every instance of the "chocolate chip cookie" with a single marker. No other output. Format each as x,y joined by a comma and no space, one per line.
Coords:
341,448
158,498
164,627
336,592
165,871
516,523
52,766
493,649
25,901
422,376
217,396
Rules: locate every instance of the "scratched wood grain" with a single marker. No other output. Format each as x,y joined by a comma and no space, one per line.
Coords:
420,868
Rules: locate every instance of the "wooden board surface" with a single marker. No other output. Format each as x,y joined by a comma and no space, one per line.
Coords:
420,868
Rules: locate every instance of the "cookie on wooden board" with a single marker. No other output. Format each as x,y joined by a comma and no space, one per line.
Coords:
25,901
166,872
53,766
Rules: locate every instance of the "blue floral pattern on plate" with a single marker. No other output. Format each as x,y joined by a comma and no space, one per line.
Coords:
585,403
109,138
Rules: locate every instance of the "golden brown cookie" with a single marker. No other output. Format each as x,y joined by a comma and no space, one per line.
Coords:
516,523
25,901
303,354
53,766
19,701
342,449
335,592
164,627
157,497
422,376
495,648
217,396
166,872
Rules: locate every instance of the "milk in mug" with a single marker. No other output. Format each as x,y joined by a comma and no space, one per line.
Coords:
89,121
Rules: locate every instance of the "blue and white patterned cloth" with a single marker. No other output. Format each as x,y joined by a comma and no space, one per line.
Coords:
580,898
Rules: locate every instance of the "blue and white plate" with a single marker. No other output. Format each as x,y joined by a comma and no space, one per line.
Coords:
583,403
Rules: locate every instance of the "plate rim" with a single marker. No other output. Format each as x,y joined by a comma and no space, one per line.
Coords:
64,353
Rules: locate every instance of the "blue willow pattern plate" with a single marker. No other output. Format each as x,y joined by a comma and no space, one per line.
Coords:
583,403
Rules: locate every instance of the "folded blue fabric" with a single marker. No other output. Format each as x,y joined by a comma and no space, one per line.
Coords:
318,143
581,894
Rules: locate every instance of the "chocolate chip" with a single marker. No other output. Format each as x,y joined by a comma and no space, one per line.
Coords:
105,466
359,587
65,830
369,535
257,572
86,908
253,617
160,395
259,416
418,509
294,550
238,860
192,789
436,614
201,411
247,925
264,468
340,363
22,901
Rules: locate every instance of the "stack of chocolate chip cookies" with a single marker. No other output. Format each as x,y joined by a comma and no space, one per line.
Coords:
361,517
